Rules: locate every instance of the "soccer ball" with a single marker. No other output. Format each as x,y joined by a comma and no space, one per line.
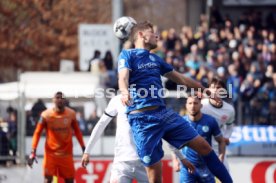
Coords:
122,27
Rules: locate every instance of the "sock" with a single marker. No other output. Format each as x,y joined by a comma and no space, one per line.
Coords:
217,167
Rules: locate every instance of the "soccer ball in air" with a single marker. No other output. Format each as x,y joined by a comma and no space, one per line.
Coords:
122,27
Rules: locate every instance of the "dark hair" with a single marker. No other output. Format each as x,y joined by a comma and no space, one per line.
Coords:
217,81
60,93
141,26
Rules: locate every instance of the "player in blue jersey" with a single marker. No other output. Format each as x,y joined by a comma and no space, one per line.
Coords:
206,126
140,72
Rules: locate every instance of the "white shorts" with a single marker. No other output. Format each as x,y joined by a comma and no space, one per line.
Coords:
127,171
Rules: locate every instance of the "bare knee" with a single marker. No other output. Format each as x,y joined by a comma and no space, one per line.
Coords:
200,145
155,173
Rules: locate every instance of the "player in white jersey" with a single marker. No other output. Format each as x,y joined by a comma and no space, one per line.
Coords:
224,113
126,165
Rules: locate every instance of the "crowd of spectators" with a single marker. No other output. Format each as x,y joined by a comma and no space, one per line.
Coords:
243,53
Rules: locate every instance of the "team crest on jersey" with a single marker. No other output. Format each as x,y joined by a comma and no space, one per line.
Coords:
65,121
146,159
152,58
224,118
205,129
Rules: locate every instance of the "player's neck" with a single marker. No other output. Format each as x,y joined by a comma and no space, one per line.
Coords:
59,109
195,118
214,103
141,45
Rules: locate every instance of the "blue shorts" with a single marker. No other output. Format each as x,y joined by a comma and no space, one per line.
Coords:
150,127
201,175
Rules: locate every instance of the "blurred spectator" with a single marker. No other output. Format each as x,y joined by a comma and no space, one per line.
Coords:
94,62
12,131
36,110
4,143
108,60
82,123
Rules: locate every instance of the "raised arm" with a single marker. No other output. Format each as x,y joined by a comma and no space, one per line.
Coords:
183,80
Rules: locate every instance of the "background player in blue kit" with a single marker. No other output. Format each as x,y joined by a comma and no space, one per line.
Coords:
150,121
206,126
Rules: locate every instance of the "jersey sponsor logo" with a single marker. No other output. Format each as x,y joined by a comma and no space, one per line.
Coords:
149,65
65,121
152,58
205,128
146,159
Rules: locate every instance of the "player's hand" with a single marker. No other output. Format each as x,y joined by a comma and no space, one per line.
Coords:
176,165
32,158
125,98
190,167
85,160
227,141
221,157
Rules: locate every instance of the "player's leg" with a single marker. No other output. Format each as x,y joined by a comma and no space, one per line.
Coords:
148,132
49,168
204,175
140,173
66,170
201,146
121,173
155,172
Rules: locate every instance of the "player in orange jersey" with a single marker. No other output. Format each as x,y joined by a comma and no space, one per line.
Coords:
59,123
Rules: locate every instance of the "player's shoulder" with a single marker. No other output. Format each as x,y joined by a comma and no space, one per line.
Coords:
70,111
205,101
228,106
209,118
46,112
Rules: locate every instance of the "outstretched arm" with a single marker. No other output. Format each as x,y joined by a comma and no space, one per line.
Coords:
183,80
37,133
95,135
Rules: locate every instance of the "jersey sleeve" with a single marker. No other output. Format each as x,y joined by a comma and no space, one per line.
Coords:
124,60
105,119
38,130
164,67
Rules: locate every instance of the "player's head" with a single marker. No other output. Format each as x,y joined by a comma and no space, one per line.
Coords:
59,100
215,84
143,33
193,105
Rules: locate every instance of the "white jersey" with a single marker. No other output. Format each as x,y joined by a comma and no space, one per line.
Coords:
125,149
225,117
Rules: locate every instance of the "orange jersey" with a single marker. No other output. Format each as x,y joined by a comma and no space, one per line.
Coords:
59,131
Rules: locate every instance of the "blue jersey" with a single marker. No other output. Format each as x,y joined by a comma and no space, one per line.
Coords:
207,127
145,77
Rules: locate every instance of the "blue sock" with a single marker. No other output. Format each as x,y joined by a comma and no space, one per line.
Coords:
217,168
